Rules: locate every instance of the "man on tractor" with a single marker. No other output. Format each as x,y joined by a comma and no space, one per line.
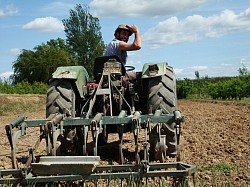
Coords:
119,46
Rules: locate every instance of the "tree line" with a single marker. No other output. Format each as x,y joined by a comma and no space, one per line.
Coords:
23,87
224,88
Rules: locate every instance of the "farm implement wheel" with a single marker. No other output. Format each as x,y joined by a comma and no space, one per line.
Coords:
162,96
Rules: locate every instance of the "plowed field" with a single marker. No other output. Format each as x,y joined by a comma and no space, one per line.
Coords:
215,138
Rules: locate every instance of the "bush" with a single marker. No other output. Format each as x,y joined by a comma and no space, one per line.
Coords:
23,88
215,88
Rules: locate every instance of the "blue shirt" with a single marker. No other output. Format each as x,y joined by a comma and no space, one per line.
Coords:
113,49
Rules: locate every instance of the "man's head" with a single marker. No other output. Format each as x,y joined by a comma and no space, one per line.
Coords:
122,33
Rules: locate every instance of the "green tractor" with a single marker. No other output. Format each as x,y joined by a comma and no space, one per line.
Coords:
115,91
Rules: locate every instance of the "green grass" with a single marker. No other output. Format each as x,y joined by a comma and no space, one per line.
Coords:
219,175
222,167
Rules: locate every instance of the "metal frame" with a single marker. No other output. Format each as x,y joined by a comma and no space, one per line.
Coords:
53,127
138,172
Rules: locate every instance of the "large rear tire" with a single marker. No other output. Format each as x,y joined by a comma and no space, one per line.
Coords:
162,95
162,92
61,99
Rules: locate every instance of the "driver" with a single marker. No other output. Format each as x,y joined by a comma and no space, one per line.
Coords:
119,46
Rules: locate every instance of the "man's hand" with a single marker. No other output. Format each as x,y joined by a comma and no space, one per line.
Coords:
136,45
133,28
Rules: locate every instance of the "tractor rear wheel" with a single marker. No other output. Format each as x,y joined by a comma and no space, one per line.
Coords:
61,99
162,95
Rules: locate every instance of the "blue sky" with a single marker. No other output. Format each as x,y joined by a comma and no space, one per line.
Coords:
209,36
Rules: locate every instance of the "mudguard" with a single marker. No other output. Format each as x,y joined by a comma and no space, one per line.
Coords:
77,73
154,69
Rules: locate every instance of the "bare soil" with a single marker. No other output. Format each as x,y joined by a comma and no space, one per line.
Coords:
214,135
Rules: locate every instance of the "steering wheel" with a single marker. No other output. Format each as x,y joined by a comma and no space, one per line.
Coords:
130,68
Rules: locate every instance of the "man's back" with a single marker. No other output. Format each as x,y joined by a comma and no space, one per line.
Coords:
113,49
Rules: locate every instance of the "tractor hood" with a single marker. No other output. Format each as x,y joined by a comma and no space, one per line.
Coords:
77,73
69,72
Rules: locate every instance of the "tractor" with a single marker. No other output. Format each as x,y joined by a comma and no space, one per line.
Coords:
117,100
116,90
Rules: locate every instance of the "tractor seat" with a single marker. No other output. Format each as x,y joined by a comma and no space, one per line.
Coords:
99,63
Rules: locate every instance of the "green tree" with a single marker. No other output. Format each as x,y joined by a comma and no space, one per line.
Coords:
197,74
243,71
84,36
184,88
38,65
